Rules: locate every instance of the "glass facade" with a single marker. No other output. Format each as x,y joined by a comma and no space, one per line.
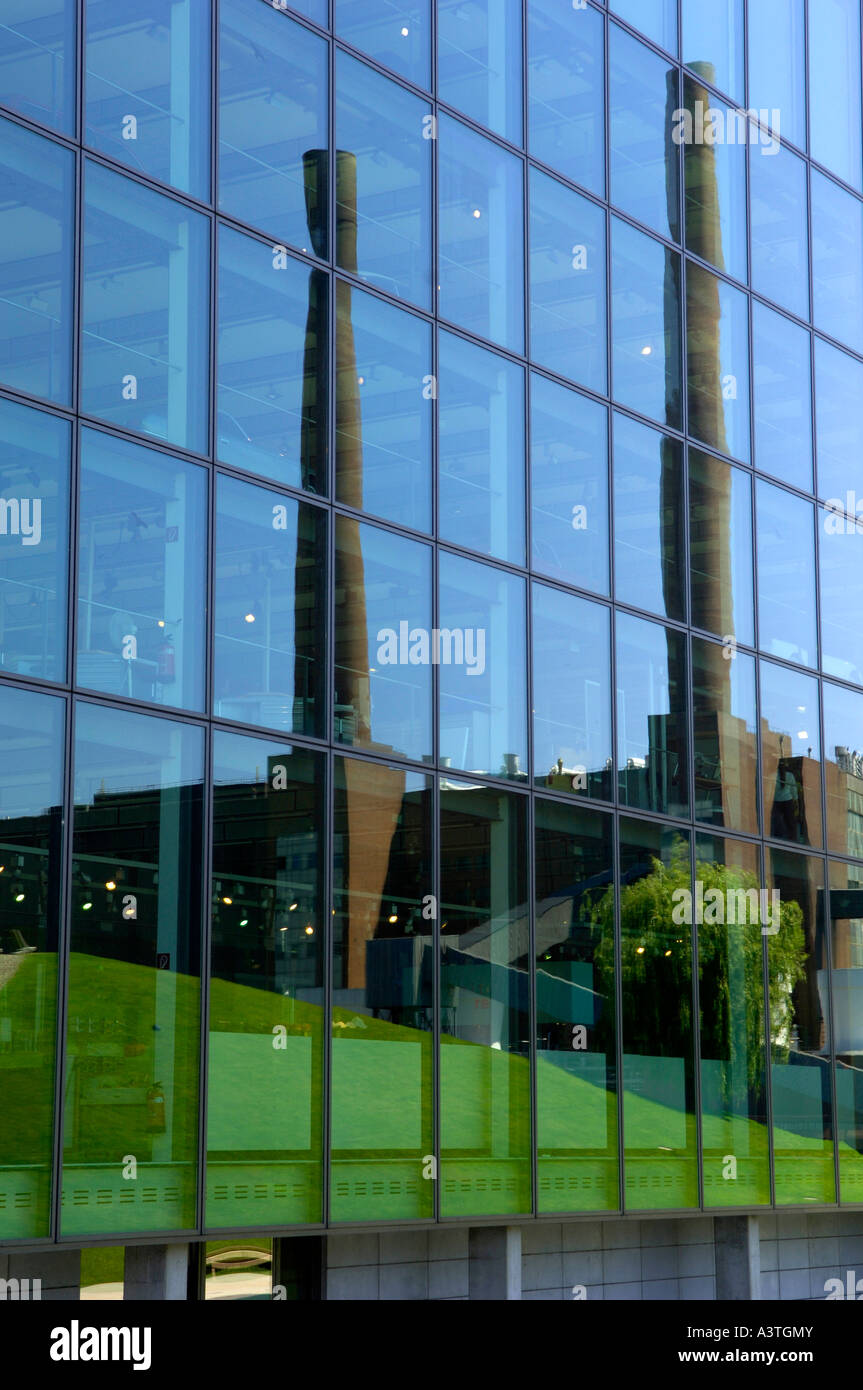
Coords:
431,687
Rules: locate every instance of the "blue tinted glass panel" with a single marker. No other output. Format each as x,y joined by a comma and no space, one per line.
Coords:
483,663
481,448
717,362
839,427
383,409
37,61
383,182
840,554
145,312
565,84
790,755
834,87
782,397
273,124
479,62
481,238
786,575
645,311
777,66
837,262
34,541
567,282
272,363
649,563
652,718
715,182
713,43
645,165
569,485
141,573
269,623
657,19
721,584
571,694
37,202
148,88
780,246
397,34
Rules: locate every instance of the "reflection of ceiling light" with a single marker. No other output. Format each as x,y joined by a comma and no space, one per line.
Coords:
249,617
361,381
86,907
393,917
668,953
19,897
161,622
801,709
283,929
646,351
110,885
802,734
310,931
405,31
639,950
477,213
293,907
244,922
227,901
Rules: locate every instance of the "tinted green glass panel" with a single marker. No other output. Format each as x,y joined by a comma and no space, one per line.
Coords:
726,741
786,575
265,1089
733,1066
717,362
133,1022
485,1026
567,282
649,569
566,123
571,694
645,164
846,912
652,718
37,248
569,485
790,755
782,397
34,541
272,363
479,50
803,1125
659,1108
645,314
141,573
31,806
382,1053
270,605
576,1069
721,583
37,61
147,98
843,769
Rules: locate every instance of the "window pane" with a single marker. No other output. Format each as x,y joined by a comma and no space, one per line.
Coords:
652,718
777,77
720,549
31,806
834,87
659,1105
837,262
479,62
273,124
800,1034
270,606
485,1025
846,910
715,181
133,1024
265,1106
782,397
148,89
566,83
726,741
732,1023
645,308
717,349
382,641
571,694
37,247
843,769
786,575
252,1280
141,573
145,311
397,35
382,1057
481,450
839,424
790,755
713,44
481,237
567,282
841,563
37,61
34,541
657,19
645,167
383,182
483,665
576,1069
649,563
272,363
383,409
780,239
569,476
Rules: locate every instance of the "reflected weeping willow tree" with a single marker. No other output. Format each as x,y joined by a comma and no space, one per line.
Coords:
656,968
